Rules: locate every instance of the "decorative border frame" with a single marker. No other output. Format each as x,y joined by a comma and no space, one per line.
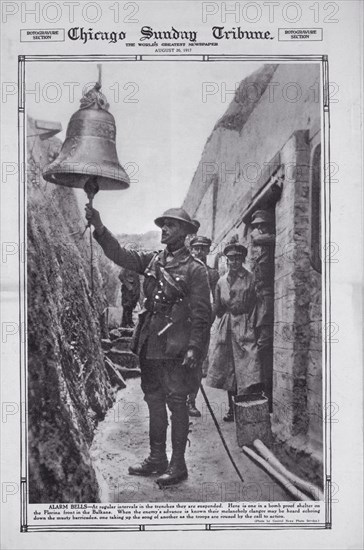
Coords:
326,290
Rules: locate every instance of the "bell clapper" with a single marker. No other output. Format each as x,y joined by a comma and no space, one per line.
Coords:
91,187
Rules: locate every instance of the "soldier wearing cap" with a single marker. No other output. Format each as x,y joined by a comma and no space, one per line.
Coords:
263,241
232,354
171,337
200,248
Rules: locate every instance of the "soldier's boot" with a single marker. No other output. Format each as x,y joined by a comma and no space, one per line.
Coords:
229,417
191,403
177,469
156,462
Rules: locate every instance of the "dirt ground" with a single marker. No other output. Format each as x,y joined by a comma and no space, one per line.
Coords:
122,439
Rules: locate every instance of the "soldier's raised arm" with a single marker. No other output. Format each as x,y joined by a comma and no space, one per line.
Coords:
130,259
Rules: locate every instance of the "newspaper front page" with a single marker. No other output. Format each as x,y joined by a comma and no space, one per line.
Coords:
181,287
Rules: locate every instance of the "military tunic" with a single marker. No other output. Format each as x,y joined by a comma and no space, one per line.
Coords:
177,312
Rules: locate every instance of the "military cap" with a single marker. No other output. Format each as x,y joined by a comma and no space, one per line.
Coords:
262,216
235,249
199,240
177,214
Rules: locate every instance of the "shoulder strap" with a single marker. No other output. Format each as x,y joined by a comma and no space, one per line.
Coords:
171,281
150,269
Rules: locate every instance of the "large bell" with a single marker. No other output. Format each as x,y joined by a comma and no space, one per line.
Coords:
89,150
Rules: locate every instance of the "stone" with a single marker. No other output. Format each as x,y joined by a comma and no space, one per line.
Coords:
128,372
115,376
122,343
125,359
252,420
114,334
106,344
126,332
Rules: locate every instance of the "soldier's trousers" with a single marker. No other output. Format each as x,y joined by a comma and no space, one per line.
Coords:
127,320
197,378
265,358
167,383
200,373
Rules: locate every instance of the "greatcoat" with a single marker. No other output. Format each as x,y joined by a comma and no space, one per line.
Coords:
232,353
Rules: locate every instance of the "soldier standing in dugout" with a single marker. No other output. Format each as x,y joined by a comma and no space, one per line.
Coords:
130,292
200,248
232,354
171,337
263,241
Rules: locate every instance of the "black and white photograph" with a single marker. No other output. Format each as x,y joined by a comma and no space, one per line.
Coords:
181,274
174,282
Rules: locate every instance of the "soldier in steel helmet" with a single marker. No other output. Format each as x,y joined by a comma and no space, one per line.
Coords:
200,248
171,337
263,241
